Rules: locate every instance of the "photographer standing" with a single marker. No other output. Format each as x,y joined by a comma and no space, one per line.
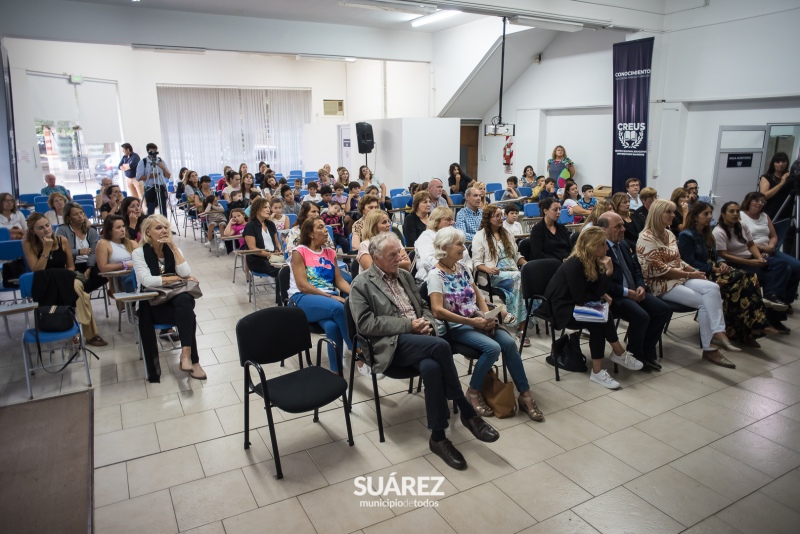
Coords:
128,165
154,174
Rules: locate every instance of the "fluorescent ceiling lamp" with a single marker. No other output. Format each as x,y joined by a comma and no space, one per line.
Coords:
415,8
544,24
327,58
436,17
167,48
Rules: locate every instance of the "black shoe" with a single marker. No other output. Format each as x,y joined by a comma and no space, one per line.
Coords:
448,453
653,365
781,328
480,428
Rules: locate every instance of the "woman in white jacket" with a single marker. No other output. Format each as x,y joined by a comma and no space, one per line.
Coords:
424,259
497,260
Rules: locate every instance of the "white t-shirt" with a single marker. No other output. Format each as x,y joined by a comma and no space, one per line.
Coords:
513,229
14,220
228,190
79,244
312,198
759,228
569,203
733,246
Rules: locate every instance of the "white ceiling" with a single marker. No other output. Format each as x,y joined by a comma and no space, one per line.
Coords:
322,11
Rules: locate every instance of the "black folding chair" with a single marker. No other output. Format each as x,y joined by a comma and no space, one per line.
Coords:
301,391
536,275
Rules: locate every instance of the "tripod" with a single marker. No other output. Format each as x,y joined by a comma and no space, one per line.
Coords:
794,213
159,182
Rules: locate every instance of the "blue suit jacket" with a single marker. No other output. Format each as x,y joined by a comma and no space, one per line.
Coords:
615,290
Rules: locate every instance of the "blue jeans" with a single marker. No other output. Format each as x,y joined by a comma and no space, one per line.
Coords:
790,293
490,347
128,283
329,313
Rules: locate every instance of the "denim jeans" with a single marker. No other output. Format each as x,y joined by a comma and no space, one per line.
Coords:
329,313
790,293
490,347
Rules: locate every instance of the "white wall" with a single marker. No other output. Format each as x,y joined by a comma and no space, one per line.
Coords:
408,89
138,73
320,145
589,134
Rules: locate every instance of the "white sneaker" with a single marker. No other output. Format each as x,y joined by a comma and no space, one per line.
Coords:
604,379
366,371
207,244
627,361
222,247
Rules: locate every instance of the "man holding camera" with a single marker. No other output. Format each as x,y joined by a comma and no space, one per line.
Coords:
152,171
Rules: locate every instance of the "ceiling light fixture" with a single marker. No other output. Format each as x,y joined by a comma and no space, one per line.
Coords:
415,8
300,57
544,24
435,17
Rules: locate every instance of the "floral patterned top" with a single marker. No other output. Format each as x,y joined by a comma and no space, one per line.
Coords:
458,294
656,259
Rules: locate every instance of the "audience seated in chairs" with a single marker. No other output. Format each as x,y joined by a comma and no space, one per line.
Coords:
585,277
276,215
82,239
159,262
375,223
308,211
622,204
416,222
388,310
456,299
114,253
55,214
681,200
648,195
424,258
497,260
742,305
133,217
290,204
468,219
315,284
45,250
10,217
735,244
260,234
632,300
549,238
764,234
674,280
365,205
603,205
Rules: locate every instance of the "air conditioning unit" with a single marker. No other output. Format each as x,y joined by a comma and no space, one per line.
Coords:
333,107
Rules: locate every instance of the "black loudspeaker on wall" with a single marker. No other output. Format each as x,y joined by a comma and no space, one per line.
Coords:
366,142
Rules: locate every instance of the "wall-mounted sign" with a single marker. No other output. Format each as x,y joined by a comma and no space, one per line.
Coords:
740,160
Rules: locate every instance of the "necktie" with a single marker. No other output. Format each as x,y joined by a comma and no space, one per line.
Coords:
625,271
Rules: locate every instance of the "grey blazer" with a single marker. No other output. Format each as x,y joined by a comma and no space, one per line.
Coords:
376,315
91,235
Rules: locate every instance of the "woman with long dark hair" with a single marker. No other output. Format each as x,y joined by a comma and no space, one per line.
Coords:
775,186
82,238
114,251
458,181
132,215
742,306
260,234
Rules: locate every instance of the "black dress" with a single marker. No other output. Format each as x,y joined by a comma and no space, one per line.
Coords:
58,256
259,264
774,204
544,244
413,228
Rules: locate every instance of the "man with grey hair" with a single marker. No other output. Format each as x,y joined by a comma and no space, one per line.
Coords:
50,180
438,196
646,314
389,311
468,219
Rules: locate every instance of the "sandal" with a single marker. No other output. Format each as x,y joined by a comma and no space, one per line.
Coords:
531,409
526,342
509,319
482,408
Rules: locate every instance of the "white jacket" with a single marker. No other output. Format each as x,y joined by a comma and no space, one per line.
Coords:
482,256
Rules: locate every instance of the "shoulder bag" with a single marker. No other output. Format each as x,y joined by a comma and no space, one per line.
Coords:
171,290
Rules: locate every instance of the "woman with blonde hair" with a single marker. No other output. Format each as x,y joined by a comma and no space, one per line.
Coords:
481,186
158,262
424,259
45,250
376,222
584,277
603,205
674,280
622,207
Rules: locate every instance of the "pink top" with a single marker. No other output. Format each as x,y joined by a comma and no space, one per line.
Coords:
237,230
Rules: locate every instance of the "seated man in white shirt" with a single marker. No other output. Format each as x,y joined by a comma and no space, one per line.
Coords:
632,185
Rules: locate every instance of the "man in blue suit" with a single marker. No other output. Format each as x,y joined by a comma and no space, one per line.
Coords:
645,313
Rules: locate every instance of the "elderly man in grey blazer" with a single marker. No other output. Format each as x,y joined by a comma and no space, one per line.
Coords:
388,310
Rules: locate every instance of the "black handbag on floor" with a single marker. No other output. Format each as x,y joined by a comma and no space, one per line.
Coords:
567,351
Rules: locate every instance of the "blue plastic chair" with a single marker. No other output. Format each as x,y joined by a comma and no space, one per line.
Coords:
40,198
9,250
292,219
303,192
565,217
400,201
215,176
296,173
29,337
41,207
88,209
308,179
28,198
490,188
525,191
25,212
312,174
78,198
457,198
532,210
395,192
5,234
498,195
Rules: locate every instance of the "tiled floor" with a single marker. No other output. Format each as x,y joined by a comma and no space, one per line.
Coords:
694,447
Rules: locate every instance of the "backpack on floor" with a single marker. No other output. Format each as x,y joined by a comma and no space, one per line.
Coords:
567,352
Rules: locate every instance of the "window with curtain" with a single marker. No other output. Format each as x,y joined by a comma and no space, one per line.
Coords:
206,128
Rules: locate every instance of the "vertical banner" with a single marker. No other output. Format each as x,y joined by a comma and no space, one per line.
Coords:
632,63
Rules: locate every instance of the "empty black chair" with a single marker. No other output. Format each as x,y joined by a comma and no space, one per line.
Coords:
676,308
367,356
301,391
283,291
536,275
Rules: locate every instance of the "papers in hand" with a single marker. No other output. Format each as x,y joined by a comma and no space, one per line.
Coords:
491,314
591,312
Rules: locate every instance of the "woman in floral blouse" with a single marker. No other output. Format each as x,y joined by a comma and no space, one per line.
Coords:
674,280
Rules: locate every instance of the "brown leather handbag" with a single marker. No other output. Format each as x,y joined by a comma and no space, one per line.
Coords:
499,395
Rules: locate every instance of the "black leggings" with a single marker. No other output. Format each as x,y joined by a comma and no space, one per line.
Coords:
599,333
179,312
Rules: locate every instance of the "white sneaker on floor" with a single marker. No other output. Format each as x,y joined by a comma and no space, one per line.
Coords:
627,361
207,244
366,371
604,379
222,247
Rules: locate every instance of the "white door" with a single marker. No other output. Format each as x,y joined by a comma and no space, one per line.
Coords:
738,163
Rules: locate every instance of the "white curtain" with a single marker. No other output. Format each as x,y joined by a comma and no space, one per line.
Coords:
205,129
